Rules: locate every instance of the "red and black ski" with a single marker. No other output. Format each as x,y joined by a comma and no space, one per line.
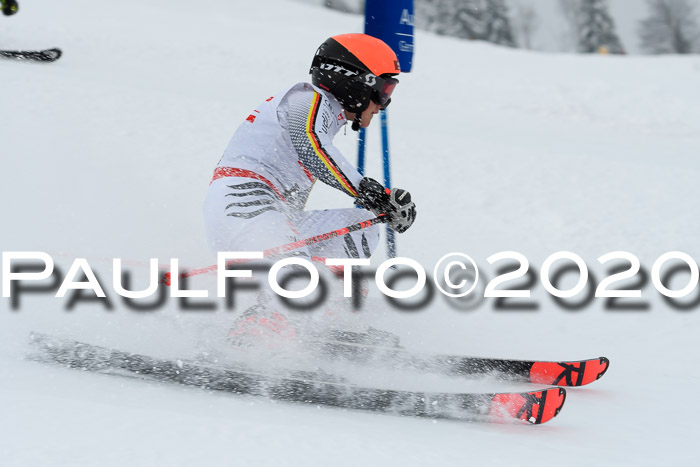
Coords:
315,387
563,373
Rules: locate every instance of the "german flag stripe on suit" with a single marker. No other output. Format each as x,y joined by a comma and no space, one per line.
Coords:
320,152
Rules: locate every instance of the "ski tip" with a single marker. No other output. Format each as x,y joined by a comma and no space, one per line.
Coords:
603,363
569,373
54,54
534,407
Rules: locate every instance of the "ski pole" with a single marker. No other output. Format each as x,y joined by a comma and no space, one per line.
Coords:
390,236
381,219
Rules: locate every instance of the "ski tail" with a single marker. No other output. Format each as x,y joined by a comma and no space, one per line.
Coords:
48,55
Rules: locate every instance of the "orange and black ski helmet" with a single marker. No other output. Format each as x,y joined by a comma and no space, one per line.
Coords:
356,68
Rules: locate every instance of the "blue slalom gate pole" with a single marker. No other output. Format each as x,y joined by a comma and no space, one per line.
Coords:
390,234
361,143
392,22
361,152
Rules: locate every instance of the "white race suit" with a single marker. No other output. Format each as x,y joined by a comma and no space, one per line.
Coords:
260,186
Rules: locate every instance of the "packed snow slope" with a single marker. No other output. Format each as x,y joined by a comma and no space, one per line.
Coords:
109,151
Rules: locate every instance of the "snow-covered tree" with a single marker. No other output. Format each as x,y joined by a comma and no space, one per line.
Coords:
497,23
426,14
596,28
468,19
570,11
524,23
672,27
460,18
347,6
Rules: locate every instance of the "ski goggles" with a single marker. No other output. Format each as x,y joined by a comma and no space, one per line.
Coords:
383,96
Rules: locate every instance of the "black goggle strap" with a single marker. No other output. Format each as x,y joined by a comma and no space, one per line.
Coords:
356,122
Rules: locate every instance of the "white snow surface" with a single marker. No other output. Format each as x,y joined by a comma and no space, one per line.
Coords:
108,153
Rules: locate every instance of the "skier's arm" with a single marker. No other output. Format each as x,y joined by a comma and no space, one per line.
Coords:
310,118
9,7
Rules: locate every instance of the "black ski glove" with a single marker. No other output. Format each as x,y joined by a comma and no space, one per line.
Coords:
396,203
9,7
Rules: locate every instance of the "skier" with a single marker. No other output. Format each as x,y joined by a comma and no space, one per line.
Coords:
9,7
261,184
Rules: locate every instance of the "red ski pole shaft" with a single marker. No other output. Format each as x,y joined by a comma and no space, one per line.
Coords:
275,251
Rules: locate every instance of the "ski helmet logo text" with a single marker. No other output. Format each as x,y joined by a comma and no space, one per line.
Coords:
370,79
337,69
